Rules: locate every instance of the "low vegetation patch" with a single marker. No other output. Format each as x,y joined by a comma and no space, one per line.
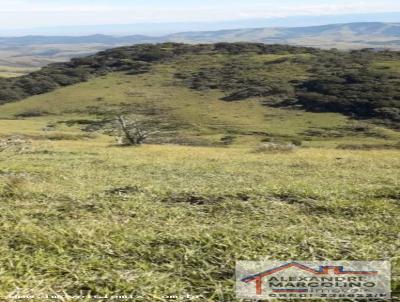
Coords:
275,148
368,146
32,113
68,136
388,192
123,191
198,198
15,144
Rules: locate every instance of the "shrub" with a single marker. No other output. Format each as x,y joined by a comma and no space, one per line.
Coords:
131,132
228,139
297,142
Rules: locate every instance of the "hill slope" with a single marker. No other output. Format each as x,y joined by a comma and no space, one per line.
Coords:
218,94
362,84
82,216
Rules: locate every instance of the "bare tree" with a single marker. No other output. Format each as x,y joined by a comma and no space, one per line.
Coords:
131,132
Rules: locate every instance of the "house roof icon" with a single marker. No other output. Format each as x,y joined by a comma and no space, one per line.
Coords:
321,270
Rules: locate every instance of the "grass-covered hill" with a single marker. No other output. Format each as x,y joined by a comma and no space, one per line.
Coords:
81,215
363,84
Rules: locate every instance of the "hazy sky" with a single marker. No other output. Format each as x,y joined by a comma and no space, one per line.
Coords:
35,13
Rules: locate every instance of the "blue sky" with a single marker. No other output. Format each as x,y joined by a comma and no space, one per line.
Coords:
38,13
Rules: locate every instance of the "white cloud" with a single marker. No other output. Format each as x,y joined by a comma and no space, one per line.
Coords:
23,13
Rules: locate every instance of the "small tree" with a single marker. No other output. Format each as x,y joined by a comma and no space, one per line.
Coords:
131,132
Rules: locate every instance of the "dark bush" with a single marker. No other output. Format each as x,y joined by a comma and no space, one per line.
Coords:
32,113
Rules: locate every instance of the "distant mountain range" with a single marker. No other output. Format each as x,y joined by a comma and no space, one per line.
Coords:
343,36
156,29
92,39
40,50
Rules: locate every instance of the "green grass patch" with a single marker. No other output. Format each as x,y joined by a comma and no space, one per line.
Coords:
166,220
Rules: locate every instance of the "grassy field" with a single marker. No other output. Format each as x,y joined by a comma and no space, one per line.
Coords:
79,214
169,220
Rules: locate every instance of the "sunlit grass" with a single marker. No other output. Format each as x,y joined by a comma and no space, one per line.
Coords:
158,220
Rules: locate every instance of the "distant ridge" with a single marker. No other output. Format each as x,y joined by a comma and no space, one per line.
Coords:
100,39
344,36
40,50
353,34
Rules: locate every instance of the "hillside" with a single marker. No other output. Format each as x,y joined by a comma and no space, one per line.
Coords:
37,51
82,215
361,84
